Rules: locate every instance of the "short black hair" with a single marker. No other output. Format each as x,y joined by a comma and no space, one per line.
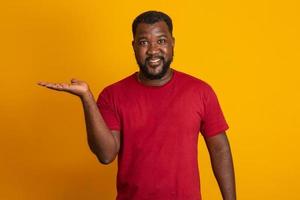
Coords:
151,17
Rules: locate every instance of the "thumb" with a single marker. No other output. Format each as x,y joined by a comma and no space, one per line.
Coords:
73,80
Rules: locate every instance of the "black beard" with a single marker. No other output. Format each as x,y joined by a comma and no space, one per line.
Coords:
148,75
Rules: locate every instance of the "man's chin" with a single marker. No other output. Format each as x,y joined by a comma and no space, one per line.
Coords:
154,75
154,72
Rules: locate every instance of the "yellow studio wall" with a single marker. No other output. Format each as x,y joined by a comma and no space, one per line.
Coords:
247,50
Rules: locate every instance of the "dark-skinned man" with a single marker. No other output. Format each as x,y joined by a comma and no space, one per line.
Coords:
151,121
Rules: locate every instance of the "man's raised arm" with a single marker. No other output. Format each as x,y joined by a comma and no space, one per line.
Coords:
104,143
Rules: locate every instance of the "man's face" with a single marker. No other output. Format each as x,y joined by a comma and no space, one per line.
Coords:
153,47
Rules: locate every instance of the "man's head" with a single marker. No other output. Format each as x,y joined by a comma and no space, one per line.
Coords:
153,43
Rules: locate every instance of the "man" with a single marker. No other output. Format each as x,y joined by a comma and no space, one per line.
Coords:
152,119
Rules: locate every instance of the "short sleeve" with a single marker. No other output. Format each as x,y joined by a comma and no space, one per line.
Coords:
108,110
213,121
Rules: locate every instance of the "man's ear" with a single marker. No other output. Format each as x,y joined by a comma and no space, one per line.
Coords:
132,43
173,40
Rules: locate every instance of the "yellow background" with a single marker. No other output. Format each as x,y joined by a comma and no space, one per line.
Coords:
247,50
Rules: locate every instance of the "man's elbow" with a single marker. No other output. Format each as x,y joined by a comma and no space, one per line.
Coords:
105,160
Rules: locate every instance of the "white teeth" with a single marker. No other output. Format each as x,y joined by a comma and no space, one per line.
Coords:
154,60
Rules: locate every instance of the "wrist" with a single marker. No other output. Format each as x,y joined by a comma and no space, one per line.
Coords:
86,95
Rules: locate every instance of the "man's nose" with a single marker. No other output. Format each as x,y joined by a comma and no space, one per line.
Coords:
153,49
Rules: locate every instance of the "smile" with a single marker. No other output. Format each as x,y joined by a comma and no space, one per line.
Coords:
154,61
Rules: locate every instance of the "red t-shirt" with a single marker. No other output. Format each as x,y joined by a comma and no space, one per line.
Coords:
159,127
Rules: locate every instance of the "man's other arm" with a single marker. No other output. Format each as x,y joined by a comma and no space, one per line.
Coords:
222,164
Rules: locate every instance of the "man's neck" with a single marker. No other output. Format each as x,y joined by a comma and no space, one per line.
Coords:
156,82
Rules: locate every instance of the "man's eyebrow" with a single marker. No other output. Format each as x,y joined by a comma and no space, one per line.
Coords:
141,38
144,37
162,35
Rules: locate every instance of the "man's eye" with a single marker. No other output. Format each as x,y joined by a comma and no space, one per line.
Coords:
142,43
162,41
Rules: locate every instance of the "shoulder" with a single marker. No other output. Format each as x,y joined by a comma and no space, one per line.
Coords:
116,90
189,81
120,85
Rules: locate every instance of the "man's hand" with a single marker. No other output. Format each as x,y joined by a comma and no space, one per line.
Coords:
103,142
76,87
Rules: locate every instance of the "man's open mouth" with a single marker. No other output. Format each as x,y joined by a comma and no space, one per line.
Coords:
154,61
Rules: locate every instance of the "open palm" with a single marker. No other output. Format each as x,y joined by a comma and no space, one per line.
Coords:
76,87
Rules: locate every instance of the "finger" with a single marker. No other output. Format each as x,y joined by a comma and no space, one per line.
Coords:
62,86
46,84
65,85
41,83
51,85
54,86
73,80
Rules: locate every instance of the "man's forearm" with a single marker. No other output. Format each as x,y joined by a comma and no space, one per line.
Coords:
224,173
100,139
222,164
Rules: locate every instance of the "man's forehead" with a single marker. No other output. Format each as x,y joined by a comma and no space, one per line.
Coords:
158,28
